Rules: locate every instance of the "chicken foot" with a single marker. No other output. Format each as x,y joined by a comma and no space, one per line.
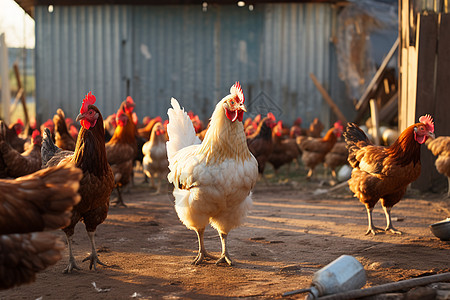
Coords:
372,229
224,257
389,227
119,201
93,258
72,264
202,253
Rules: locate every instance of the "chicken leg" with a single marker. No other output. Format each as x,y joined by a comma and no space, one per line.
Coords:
119,201
72,264
371,229
448,192
389,227
224,257
202,254
93,258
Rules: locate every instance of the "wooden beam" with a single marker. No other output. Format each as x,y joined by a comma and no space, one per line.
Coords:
22,97
328,99
388,111
4,74
376,79
375,121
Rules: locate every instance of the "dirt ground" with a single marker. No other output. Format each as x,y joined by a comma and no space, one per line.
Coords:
290,234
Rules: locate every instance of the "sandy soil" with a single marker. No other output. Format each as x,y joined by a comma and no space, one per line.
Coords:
290,234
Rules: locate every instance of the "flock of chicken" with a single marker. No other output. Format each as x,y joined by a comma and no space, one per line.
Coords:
68,174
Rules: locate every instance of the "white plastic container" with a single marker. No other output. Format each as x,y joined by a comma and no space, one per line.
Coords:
343,274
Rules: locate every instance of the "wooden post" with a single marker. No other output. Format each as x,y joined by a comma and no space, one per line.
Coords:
375,121
22,97
6,92
327,98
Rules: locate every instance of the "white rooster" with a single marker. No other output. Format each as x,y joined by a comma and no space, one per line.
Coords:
212,179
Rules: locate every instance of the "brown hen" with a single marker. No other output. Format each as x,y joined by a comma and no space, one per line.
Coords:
98,179
383,173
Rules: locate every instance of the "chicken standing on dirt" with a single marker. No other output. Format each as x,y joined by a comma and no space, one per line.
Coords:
121,154
440,147
98,179
315,149
17,164
260,142
384,172
47,196
285,149
212,179
63,139
155,162
338,156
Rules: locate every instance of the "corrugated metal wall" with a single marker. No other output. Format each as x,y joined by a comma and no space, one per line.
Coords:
157,52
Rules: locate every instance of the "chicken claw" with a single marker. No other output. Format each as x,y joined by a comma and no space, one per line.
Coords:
72,265
374,230
224,259
393,230
201,256
93,261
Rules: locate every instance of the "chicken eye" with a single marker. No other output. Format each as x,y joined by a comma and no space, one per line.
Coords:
232,102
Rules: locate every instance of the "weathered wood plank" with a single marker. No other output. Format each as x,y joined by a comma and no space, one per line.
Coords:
427,35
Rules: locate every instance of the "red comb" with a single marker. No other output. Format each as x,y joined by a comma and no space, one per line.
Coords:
338,125
35,134
130,100
158,119
236,90
271,116
19,121
88,100
428,121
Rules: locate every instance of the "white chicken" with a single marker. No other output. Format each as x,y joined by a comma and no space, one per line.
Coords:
212,179
155,163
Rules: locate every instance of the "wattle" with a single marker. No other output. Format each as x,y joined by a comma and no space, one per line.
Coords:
231,115
234,115
420,138
85,123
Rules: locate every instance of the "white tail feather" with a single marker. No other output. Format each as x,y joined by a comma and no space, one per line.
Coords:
180,130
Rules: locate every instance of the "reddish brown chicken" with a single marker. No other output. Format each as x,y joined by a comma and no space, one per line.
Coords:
260,143
98,179
440,147
11,134
47,196
20,164
336,157
285,150
383,173
63,139
315,149
296,129
121,153
315,128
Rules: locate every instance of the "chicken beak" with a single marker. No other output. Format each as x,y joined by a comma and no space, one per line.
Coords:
243,108
432,135
79,117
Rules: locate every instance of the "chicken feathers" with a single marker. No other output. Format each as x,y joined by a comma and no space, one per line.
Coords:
383,173
212,179
40,201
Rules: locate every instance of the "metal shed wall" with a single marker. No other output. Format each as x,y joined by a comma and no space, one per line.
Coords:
157,52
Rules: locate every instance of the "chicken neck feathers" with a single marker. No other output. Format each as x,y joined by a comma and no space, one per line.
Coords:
224,139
